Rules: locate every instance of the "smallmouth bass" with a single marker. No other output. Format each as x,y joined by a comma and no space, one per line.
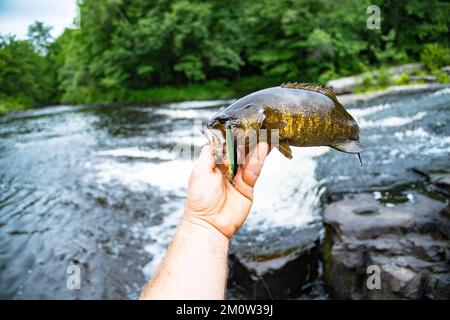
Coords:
301,114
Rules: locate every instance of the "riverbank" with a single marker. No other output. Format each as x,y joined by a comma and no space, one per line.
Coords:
219,91
9,105
351,98
398,79
211,90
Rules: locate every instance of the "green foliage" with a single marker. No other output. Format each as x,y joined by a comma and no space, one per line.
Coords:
383,79
390,53
139,50
26,77
39,36
137,45
441,76
214,89
402,79
8,104
374,80
367,83
327,76
435,55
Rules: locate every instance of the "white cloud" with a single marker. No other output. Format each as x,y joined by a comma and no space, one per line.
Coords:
17,15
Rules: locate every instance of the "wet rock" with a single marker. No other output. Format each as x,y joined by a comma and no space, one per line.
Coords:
426,78
348,84
351,98
439,177
401,277
408,242
283,267
437,286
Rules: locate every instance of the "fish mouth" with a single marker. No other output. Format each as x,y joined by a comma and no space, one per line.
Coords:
213,123
216,139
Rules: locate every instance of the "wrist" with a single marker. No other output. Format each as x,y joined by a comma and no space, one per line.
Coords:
199,225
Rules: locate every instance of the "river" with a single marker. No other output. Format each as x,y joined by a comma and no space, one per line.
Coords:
100,187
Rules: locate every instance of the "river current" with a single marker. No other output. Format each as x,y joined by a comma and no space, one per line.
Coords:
101,188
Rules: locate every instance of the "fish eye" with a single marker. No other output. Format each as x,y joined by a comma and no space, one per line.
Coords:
222,120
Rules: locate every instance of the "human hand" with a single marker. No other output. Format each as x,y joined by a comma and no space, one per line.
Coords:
213,201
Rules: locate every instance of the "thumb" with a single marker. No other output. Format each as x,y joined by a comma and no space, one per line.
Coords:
205,162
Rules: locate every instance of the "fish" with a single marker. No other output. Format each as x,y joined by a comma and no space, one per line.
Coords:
301,115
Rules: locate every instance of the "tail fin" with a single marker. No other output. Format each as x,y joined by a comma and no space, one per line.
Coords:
350,146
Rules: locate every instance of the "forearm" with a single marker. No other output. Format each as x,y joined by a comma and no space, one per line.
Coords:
195,266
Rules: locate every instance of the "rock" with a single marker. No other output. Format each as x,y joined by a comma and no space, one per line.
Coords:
409,242
401,277
425,78
446,69
349,98
437,286
283,268
439,177
405,68
348,84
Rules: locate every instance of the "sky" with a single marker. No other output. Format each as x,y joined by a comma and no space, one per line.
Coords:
17,15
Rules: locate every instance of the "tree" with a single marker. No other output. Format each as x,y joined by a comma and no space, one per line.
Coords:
40,37
126,45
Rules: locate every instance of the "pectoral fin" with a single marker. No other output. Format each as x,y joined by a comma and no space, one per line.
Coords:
273,133
285,149
350,146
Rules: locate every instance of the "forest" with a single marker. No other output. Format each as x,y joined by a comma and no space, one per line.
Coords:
139,51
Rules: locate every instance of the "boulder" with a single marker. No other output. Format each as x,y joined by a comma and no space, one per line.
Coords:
408,242
440,177
348,84
351,98
425,78
345,84
282,267
437,286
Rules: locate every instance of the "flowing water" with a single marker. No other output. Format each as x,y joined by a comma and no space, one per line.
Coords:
101,187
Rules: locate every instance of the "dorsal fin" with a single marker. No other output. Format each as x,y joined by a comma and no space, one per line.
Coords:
328,91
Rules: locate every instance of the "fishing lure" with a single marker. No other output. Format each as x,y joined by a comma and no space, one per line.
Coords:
231,150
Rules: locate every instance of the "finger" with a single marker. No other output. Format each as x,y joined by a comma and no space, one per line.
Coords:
206,160
241,186
255,163
257,156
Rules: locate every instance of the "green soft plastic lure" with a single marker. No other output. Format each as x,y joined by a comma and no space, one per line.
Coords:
231,150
